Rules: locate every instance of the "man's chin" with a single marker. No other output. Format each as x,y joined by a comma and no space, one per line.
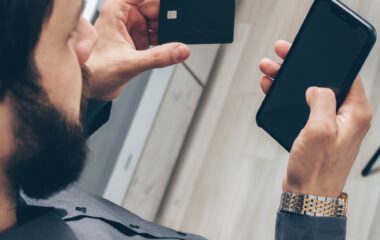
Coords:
51,150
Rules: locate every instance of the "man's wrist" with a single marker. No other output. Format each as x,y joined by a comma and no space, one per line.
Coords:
317,189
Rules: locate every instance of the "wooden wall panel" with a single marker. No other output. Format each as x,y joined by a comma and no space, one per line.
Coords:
164,143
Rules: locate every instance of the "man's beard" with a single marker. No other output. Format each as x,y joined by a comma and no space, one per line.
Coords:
50,148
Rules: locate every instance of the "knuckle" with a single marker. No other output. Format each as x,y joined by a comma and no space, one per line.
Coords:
312,91
324,132
368,116
326,92
315,93
157,59
322,91
363,118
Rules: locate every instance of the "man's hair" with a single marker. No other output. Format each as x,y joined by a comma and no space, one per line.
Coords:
21,23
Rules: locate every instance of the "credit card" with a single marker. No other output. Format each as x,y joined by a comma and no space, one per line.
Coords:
197,21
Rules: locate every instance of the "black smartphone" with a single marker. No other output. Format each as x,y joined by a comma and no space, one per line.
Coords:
329,51
196,21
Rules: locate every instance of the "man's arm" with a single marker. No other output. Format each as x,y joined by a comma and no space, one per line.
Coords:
299,227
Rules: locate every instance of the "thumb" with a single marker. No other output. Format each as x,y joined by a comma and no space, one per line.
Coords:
161,56
322,102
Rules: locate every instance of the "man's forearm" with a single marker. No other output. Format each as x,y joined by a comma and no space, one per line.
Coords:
291,226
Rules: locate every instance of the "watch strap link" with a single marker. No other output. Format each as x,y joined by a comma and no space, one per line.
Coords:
313,205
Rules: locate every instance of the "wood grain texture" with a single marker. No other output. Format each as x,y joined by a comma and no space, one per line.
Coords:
165,141
228,182
184,178
202,60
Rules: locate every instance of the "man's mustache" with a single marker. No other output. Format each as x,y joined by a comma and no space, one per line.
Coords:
86,73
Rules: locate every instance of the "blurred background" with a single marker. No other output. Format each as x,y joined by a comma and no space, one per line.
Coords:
182,147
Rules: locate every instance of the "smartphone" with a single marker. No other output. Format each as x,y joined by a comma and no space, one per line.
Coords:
329,51
196,21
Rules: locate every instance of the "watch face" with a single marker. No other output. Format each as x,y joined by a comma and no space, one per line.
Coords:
197,21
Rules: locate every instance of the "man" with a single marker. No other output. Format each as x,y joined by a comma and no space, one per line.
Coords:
43,47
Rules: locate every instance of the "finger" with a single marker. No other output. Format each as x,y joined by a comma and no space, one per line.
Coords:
141,40
356,99
269,67
282,48
322,102
265,84
153,38
161,56
153,25
357,93
150,9
356,109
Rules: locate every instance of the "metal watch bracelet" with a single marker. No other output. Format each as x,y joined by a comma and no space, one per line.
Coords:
317,206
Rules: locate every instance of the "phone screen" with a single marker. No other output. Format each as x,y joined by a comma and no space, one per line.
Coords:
327,49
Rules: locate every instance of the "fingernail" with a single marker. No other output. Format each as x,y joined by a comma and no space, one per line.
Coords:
178,54
308,91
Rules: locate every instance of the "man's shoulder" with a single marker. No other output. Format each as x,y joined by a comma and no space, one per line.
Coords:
77,202
80,204
73,199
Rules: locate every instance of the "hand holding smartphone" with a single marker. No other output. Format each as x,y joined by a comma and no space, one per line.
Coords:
324,152
329,51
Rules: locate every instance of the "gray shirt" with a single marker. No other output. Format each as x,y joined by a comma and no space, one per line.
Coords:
76,215
296,227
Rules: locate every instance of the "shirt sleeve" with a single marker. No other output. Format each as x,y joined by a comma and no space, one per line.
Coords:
96,115
297,227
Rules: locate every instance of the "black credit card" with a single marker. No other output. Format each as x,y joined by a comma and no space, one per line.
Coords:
197,21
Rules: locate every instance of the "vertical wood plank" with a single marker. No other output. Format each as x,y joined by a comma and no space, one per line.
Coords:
164,143
183,182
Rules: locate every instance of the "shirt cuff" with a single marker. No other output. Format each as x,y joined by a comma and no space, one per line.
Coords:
297,227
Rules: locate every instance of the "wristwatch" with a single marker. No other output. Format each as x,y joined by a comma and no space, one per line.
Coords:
316,206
